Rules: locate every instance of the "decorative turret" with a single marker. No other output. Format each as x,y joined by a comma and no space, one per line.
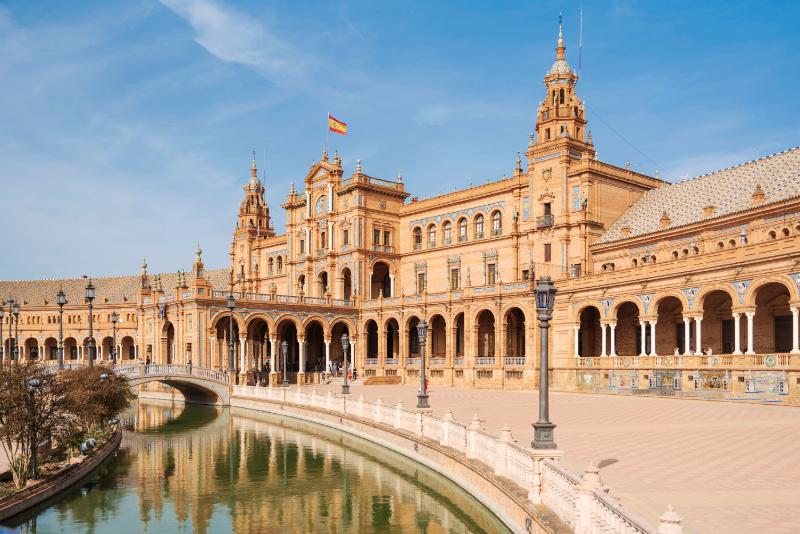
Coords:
253,212
144,278
561,115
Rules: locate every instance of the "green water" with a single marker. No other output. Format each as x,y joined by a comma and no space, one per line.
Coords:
210,470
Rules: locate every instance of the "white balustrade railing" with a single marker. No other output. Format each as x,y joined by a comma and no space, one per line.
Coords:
582,502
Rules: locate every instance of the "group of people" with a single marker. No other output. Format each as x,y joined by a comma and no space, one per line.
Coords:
706,351
336,369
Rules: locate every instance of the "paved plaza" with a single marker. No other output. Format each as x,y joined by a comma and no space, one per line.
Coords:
724,466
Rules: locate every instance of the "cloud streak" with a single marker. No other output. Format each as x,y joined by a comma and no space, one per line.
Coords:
232,37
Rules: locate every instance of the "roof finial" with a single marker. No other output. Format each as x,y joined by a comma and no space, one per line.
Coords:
254,171
560,48
198,253
358,166
144,266
518,168
292,190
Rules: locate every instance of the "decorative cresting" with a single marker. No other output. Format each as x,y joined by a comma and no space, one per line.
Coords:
606,306
691,295
741,288
646,299
469,212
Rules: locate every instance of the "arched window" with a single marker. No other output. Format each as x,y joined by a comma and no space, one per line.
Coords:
479,227
560,96
447,231
634,263
280,264
462,230
432,235
271,265
417,237
322,204
497,223
720,245
674,254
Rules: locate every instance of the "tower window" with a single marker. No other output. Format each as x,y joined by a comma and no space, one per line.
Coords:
560,96
547,134
548,253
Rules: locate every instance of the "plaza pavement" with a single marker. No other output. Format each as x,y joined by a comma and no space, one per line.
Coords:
726,467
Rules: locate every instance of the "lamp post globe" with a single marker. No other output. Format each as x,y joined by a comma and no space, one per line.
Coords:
33,386
90,299
284,352
15,312
422,396
345,349
61,300
543,429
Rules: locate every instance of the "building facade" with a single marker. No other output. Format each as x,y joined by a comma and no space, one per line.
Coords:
685,287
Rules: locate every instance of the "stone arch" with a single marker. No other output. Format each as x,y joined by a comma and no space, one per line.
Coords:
259,329
31,348
412,345
347,283
485,326
339,327
514,324
127,348
458,335
318,318
288,329
370,330
661,295
758,283
347,325
618,304
706,291
323,283
589,338
437,325
670,309
772,321
167,340
70,348
107,343
253,317
314,335
717,306
628,339
380,280
391,329
223,316
580,307
50,349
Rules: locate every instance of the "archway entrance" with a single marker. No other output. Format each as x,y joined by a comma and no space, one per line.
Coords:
413,339
486,334
772,323
438,327
287,331
627,334
128,350
459,341
322,284
392,339
589,339
258,342
168,343
223,335
347,284
670,333
381,282
337,353
315,347
515,335
371,327
717,330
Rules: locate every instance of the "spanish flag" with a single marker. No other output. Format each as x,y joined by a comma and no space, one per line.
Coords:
336,126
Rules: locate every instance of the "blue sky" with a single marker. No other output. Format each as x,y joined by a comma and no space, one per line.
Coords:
126,127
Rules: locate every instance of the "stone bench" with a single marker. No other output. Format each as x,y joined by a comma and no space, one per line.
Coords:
381,380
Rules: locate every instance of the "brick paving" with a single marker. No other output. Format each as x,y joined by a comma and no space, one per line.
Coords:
724,466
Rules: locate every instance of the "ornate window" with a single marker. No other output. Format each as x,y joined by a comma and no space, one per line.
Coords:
270,266
417,237
479,227
322,204
280,264
497,223
462,230
447,232
432,235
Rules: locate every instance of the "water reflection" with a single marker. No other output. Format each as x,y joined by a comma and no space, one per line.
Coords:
208,470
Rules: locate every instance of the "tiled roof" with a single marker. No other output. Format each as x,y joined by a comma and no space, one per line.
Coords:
728,191
111,290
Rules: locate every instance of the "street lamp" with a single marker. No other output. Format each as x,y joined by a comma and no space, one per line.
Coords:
345,348
90,299
284,351
422,396
103,377
114,321
543,428
15,311
231,305
61,300
33,386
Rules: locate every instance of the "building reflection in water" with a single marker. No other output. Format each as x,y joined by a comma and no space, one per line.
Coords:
207,469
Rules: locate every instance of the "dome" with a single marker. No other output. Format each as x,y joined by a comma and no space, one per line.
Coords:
560,67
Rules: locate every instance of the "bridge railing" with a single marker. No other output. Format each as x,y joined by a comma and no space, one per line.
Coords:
135,370
582,502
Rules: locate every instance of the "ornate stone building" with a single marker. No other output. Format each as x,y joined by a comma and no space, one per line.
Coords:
686,287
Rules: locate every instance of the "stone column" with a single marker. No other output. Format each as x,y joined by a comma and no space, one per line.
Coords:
687,336
327,355
698,334
391,285
795,330
603,340
750,316
653,338
301,370
577,340
213,352
736,334
274,348
613,326
643,328
242,356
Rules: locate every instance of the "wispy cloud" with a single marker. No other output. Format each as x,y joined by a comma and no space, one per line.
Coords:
233,37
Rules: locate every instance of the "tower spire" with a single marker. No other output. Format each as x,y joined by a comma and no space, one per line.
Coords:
254,171
560,49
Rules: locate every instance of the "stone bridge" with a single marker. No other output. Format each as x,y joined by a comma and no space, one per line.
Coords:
198,385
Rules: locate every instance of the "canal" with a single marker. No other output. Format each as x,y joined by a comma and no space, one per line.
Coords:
202,469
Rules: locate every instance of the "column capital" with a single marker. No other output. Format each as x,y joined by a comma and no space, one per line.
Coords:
750,314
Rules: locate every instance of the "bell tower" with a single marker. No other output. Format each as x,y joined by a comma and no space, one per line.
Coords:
561,115
253,212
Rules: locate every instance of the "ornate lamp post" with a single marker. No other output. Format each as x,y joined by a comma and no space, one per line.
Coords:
422,396
231,305
284,352
15,311
90,299
345,348
114,321
61,300
33,386
543,428
2,341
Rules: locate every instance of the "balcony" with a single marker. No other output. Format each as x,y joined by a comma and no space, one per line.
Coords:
544,221
412,361
391,361
371,361
459,361
417,246
377,247
437,361
485,360
514,360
